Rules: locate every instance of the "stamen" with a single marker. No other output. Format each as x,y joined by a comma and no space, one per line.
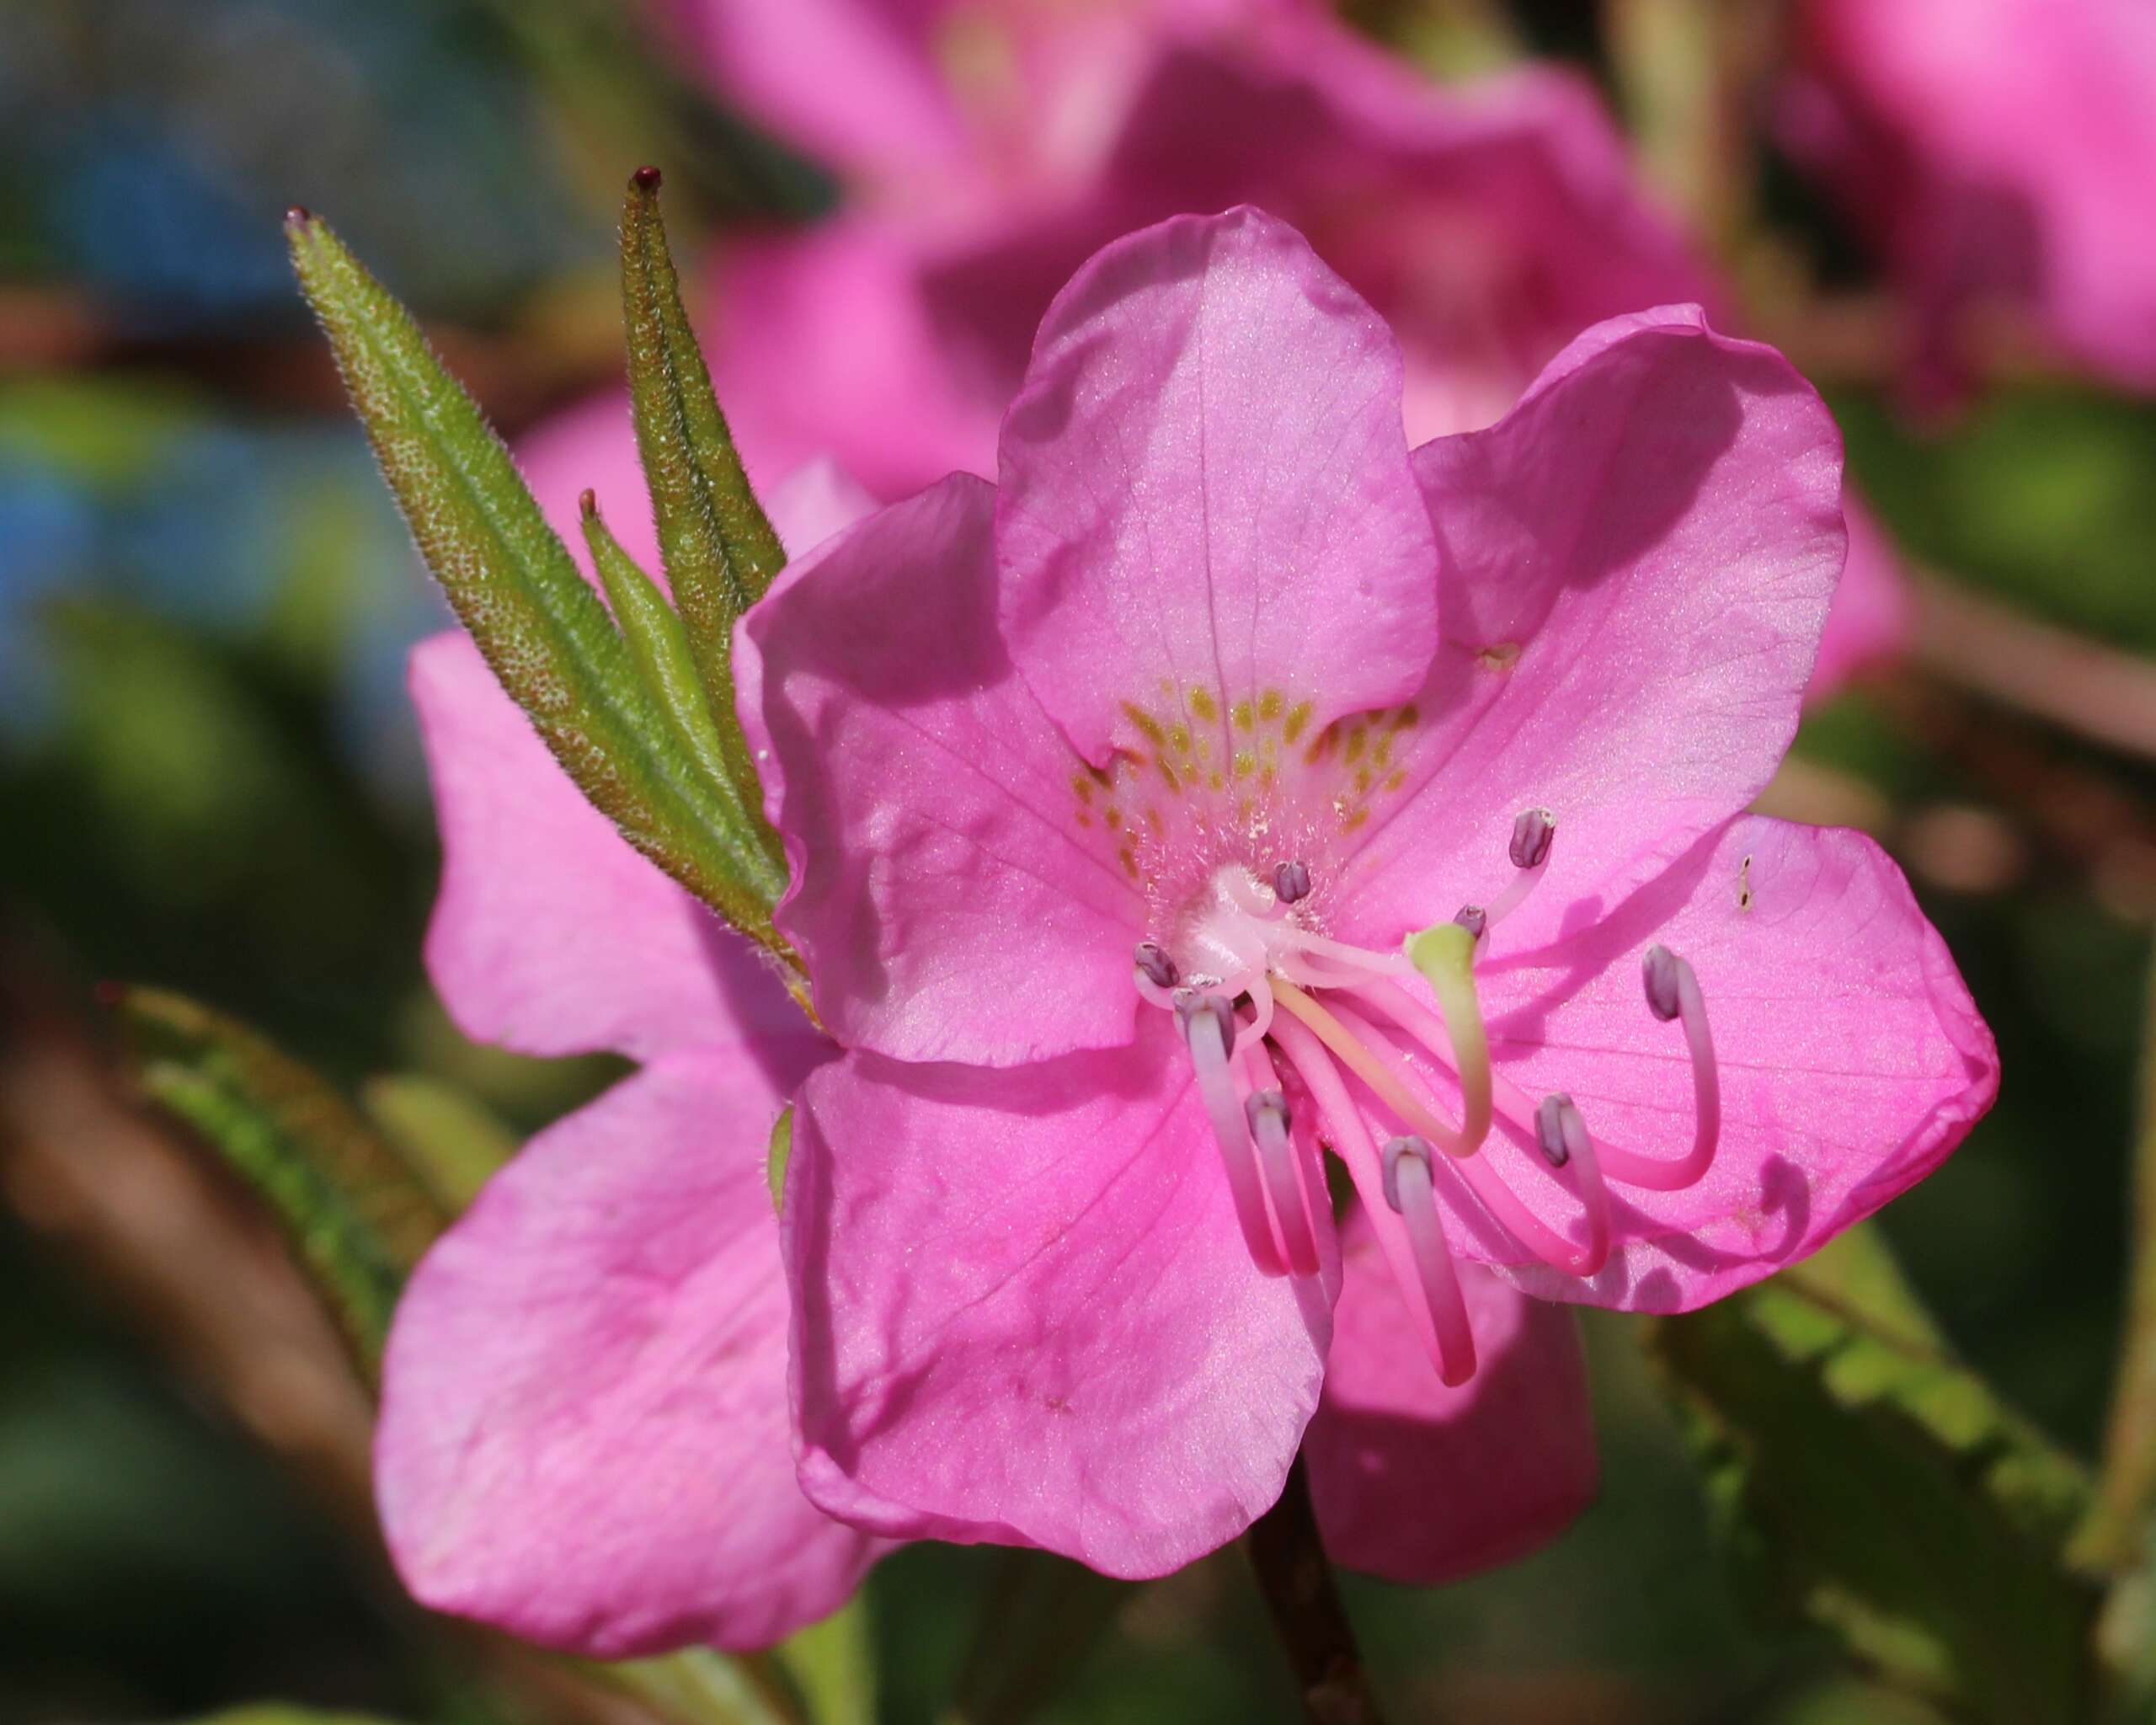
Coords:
1445,954
1291,881
1534,836
1408,1190
1266,1111
1561,1131
1208,1023
1447,1335
1335,1033
1486,1183
1672,992
1157,967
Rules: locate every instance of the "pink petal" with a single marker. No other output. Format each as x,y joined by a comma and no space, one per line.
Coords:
584,1435
1206,497
847,79
1870,620
1491,1470
1024,1312
1851,1059
821,342
551,936
1637,564
947,903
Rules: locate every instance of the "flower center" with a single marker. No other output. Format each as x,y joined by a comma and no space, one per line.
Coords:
1259,989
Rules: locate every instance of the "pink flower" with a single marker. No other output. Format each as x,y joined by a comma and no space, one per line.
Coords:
1998,152
1489,224
585,1436
1227,782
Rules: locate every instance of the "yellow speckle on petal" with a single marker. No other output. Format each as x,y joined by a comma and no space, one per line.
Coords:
1354,820
1245,715
1299,719
1501,657
1269,705
1246,763
1201,704
1148,726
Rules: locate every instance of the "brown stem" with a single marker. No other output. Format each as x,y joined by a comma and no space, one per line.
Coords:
1297,1582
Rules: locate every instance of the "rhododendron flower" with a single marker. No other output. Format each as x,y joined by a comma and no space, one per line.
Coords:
1997,151
1489,223
1226,782
584,1433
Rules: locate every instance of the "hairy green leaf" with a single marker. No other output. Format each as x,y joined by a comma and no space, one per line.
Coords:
1868,1482
719,548
658,643
514,585
352,1211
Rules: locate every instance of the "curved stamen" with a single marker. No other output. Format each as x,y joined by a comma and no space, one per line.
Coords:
1561,1134
1324,947
1535,835
1266,1111
1445,954
1486,1183
1359,1059
1673,991
1208,1023
1253,1034
1438,1309
1408,1190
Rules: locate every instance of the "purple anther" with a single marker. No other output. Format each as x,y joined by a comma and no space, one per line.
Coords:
1531,835
1559,1129
1292,881
1390,1164
1662,970
1262,1102
1192,1005
1155,966
1473,918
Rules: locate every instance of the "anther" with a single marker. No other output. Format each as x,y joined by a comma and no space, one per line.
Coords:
1559,1129
1292,881
1531,835
1389,1169
1155,966
1659,971
1473,918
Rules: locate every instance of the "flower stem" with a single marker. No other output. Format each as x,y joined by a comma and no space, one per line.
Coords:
1297,1582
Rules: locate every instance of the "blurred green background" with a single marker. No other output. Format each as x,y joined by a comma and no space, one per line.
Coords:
209,780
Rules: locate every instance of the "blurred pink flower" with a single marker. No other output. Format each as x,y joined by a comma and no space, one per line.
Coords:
1996,152
1110,792
1490,224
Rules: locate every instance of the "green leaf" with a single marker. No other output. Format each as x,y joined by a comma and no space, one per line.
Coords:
833,1664
1043,1617
351,1210
658,643
513,585
697,1686
1868,1482
719,548
450,1140
779,1153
